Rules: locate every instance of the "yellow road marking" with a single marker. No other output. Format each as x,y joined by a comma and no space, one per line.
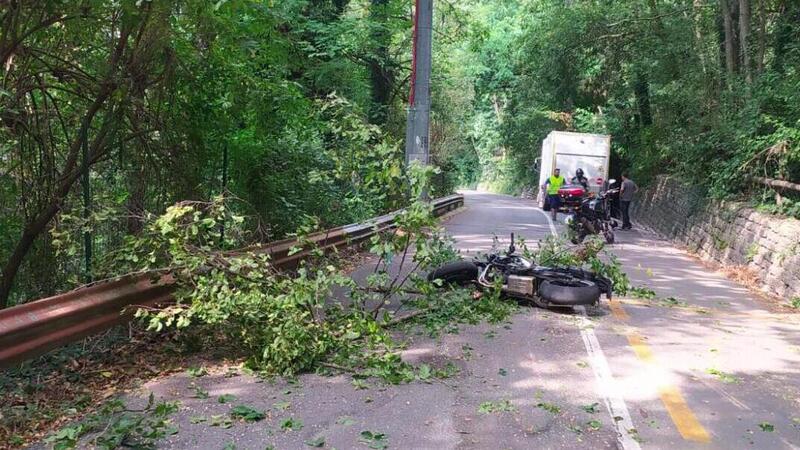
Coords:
618,311
682,416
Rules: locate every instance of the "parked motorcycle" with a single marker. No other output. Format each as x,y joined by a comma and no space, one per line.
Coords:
571,196
593,216
518,277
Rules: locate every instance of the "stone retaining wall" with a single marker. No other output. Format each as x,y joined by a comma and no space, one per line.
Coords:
725,232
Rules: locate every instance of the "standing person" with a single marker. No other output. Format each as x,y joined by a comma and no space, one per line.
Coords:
626,192
553,184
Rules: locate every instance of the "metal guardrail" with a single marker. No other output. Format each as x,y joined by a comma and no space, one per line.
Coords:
33,328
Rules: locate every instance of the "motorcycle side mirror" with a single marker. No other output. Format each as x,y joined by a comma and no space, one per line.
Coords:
511,248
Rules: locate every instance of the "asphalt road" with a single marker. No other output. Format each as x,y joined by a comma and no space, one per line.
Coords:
713,367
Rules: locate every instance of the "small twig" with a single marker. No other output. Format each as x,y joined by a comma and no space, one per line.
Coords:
382,290
338,367
405,318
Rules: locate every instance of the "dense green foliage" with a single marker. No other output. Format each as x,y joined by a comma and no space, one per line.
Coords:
287,323
296,108
652,73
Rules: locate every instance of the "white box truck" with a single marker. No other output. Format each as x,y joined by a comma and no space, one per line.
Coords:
570,151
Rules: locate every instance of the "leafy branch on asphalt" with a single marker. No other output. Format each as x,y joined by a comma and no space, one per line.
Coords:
114,426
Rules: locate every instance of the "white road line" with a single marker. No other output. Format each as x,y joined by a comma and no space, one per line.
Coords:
607,387
549,222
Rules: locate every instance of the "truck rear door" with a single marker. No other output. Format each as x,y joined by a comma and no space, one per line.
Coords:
593,168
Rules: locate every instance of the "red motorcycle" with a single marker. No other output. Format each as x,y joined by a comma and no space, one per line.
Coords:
572,196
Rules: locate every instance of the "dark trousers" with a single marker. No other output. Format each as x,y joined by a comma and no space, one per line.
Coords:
626,217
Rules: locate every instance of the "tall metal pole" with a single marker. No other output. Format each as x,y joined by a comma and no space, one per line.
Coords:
419,103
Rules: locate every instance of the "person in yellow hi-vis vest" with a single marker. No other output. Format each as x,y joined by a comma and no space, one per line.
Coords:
552,185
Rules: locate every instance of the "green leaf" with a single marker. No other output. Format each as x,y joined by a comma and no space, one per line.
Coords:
593,408
226,398
594,425
766,427
345,421
196,371
359,384
316,442
374,440
496,407
200,392
723,376
549,407
282,405
291,424
247,413
220,421
424,372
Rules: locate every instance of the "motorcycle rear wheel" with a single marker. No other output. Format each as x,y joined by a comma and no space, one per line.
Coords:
576,237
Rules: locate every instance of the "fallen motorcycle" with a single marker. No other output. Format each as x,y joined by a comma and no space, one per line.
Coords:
518,277
592,216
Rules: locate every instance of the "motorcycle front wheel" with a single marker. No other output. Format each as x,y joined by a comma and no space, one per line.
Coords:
460,273
569,292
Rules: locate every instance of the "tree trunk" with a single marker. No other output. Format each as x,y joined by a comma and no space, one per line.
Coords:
744,35
641,89
32,231
789,15
730,38
70,174
762,36
697,16
380,75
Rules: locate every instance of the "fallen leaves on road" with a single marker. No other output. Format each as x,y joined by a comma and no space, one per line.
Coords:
766,427
594,425
345,421
226,398
247,413
593,408
291,424
723,376
496,407
66,385
317,442
196,372
374,440
549,407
